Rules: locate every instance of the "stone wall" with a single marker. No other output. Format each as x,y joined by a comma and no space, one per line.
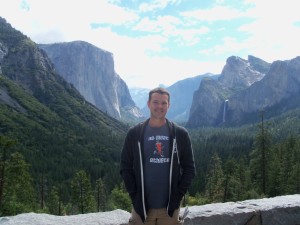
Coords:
283,210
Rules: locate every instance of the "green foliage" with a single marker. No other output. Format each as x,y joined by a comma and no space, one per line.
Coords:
9,35
56,146
120,199
240,155
215,179
18,193
82,196
198,199
260,158
232,184
5,146
101,195
54,203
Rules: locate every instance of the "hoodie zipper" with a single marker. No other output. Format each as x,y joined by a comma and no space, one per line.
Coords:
142,180
174,150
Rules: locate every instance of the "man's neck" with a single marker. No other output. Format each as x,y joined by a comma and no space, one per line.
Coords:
157,122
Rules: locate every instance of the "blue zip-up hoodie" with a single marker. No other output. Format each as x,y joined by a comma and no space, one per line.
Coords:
182,167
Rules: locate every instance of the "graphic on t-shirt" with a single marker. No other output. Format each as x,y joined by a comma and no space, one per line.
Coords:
159,149
159,145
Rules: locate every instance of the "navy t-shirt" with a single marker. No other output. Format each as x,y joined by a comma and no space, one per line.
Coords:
156,166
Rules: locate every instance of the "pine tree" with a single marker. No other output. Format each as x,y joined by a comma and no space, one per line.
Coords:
244,178
276,185
19,195
82,195
101,195
5,146
54,202
294,177
259,162
214,185
120,198
231,181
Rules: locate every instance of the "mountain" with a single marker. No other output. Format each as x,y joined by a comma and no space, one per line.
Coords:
181,93
91,71
276,93
139,96
54,127
244,88
239,74
181,98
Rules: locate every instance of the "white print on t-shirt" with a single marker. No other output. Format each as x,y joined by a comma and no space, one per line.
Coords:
159,160
158,153
158,138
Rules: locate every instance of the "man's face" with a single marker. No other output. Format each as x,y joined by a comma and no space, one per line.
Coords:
158,105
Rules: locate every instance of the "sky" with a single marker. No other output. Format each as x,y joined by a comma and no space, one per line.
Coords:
163,41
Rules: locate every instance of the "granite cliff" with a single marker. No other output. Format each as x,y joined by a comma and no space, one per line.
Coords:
244,88
182,95
91,71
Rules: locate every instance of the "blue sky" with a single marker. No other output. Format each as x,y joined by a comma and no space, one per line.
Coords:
162,41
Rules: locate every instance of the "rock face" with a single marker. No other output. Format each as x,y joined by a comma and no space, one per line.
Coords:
240,74
91,71
277,92
181,94
282,210
244,88
207,101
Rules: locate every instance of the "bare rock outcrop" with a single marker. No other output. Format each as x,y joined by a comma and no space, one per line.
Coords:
91,71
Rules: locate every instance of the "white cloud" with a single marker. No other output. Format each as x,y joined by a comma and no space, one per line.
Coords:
64,20
168,70
163,24
189,37
68,13
170,26
273,35
269,34
216,13
229,44
156,4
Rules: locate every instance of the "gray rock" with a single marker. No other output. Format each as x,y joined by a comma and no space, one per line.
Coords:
91,71
281,210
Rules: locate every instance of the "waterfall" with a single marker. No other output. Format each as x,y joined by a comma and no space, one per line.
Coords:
224,111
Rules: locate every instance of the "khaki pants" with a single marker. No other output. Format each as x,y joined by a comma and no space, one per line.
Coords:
156,217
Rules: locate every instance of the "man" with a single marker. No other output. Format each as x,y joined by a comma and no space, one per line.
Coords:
157,165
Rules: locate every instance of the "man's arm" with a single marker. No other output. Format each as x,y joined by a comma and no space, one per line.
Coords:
126,166
187,162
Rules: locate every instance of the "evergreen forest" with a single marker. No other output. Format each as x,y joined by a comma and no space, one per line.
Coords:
233,164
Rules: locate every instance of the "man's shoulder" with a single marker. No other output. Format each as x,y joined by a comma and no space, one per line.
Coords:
137,127
178,127
177,130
